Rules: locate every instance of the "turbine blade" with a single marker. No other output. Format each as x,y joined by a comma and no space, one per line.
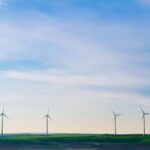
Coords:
142,110
6,116
142,117
147,113
118,114
113,113
49,117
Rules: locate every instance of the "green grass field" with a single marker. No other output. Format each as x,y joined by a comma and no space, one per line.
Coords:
74,139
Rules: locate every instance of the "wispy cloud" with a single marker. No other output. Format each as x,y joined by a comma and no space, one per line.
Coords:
80,41
91,54
65,79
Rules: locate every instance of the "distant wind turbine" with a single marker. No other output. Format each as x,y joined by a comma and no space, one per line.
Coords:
143,118
47,116
2,127
115,121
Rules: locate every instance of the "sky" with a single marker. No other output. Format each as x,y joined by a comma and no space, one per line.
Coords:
79,58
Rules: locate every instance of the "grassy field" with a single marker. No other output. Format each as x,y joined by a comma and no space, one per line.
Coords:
74,141
88,140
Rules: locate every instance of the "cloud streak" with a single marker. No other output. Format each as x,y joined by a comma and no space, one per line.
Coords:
66,79
100,48
90,55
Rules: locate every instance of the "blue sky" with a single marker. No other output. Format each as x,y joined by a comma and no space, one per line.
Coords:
80,58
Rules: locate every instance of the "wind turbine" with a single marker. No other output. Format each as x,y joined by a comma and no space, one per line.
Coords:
47,116
115,120
143,118
2,127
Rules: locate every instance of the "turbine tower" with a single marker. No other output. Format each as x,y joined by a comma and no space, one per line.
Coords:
115,121
47,116
143,118
2,121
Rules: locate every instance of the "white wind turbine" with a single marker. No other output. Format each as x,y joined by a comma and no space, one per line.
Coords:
2,121
115,121
47,116
143,118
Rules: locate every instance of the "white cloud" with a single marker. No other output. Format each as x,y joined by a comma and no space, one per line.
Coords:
66,79
17,40
90,54
81,44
